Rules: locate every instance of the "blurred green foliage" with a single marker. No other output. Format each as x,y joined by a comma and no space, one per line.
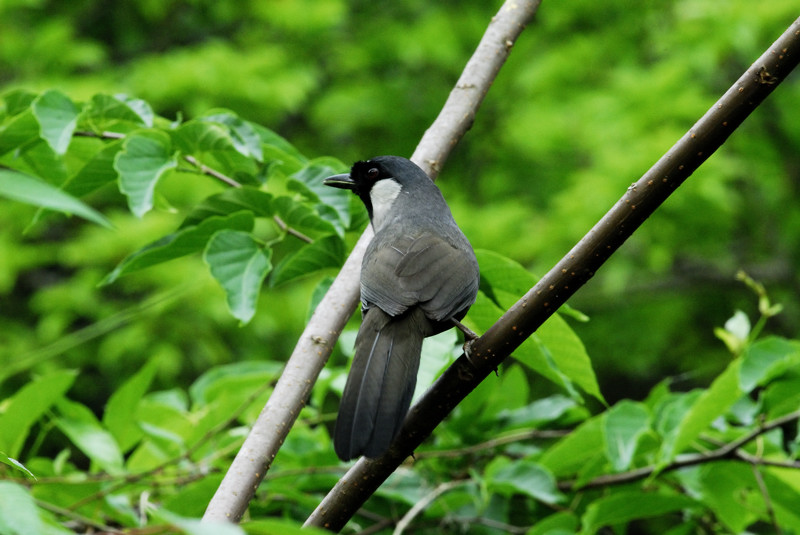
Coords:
592,95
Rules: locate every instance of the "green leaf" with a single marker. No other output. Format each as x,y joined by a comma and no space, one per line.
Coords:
564,522
527,478
27,189
624,424
767,359
96,172
144,158
240,265
17,101
709,405
311,177
18,133
324,253
240,378
200,136
139,107
245,138
118,416
5,459
569,354
18,512
569,454
503,280
280,149
276,526
117,113
184,242
622,507
25,407
302,217
229,201
554,350
82,428
57,117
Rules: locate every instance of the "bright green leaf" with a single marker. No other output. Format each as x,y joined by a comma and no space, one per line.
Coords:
301,217
229,201
322,254
18,133
245,138
622,507
311,177
184,242
569,354
276,526
532,353
240,265
138,106
118,416
564,522
708,406
96,172
527,478
569,454
242,377
117,113
766,359
18,512
624,423
57,117
5,459
28,405
81,426
200,136
27,189
144,158
17,101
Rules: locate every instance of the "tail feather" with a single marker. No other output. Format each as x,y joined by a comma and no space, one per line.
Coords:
380,384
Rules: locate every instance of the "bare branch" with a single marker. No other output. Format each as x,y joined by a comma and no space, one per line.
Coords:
573,271
320,335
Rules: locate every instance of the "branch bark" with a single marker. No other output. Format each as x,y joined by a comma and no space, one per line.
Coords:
579,265
316,343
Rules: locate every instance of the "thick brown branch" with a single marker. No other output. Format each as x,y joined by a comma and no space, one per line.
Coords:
574,270
317,341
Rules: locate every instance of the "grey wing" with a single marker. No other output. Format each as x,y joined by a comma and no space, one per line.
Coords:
425,270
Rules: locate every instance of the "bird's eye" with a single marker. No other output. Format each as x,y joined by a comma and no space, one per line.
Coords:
373,173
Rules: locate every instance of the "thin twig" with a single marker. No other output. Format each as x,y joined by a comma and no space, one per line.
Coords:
289,230
727,450
206,170
72,515
491,444
209,171
426,500
186,455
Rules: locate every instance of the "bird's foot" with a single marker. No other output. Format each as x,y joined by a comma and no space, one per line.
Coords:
469,334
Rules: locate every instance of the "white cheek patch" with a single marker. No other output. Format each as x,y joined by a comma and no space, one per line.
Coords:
383,194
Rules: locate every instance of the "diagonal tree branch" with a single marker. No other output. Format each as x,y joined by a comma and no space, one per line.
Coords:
317,341
570,273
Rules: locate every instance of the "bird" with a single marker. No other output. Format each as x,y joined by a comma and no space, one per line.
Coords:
419,277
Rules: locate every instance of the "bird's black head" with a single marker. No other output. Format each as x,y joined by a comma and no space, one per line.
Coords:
378,181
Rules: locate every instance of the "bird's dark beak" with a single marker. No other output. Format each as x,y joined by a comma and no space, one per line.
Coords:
342,181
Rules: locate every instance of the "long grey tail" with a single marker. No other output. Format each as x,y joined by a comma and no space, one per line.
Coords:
380,384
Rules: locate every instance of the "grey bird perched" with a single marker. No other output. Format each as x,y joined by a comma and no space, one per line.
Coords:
419,277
